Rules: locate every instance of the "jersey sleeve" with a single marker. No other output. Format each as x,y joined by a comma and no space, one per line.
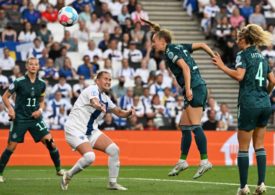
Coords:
13,87
174,54
93,93
240,63
188,47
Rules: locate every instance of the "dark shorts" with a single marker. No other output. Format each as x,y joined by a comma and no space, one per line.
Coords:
18,129
199,97
250,118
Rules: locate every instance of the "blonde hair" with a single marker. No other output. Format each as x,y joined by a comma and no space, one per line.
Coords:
255,35
31,58
166,34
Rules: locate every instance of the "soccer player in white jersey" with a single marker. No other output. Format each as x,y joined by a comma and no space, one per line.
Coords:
83,135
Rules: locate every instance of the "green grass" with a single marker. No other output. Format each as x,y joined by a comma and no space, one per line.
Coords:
139,180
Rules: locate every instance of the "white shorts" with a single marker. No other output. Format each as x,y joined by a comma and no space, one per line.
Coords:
75,138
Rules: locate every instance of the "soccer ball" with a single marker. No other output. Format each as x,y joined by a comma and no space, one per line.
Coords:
67,16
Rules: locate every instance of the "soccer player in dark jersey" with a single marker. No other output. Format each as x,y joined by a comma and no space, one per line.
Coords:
252,72
27,115
182,65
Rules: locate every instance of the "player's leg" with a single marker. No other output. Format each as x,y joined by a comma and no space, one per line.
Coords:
258,144
244,138
105,144
16,135
5,157
186,141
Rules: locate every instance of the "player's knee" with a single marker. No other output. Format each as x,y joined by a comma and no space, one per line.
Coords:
89,157
112,150
11,146
50,144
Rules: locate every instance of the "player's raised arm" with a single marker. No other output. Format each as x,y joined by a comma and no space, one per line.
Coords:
7,103
123,113
203,46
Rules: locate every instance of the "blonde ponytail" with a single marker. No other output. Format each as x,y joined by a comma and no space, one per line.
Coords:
255,35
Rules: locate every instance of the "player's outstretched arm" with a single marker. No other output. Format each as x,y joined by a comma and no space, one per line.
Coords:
7,103
235,74
203,46
123,113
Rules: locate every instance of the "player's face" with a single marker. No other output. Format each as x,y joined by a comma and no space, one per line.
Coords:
104,82
33,66
157,43
241,42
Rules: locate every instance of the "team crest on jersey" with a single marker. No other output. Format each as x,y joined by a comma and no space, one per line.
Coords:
11,87
81,137
170,55
14,136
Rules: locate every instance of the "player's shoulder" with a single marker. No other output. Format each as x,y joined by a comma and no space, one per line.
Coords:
22,78
41,81
92,89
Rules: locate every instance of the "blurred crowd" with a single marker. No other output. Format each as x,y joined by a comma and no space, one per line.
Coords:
141,79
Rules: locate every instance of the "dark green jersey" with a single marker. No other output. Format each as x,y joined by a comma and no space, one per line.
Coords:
173,53
27,97
253,88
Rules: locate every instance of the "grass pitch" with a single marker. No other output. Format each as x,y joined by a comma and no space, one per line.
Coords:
138,180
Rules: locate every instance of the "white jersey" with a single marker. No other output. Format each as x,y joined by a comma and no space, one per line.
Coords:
83,117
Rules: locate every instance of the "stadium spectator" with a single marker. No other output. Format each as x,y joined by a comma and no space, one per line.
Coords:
14,15
211,123
115,7
4,117
60,61
167,77
257,17
44,57
69,42
31,15
123,15
79,5
143,71
134,124
58,122
230,8
269,52
94,24
225,116
119,89
125,70
85,15
3,20
24,6
67,70
126,101
36,50
133,55
49,71
138,85
132,6
54,50
246,10
271,29
124,43
230,49
211,105
102,10
44,34
108,67
103,44
109,24
139,13
60,4
7,62
112,52
27,35
42,5
50,14
159,111
79,87
16,73
223,31
93,50
117,35
178,110
128,26
9,34
64,88
158,86
87,69
82,33
108,124
150,125
237,20
4,82
137,34
169,102
138,107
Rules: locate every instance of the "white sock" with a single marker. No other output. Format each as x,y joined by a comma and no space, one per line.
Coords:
182,161
204,161
113,162
82,163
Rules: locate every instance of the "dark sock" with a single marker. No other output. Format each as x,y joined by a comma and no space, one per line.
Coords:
186,141
4,160
55,158
243,164
261,164
201,141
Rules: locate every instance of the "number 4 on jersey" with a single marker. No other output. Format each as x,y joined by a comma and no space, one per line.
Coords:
259,75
